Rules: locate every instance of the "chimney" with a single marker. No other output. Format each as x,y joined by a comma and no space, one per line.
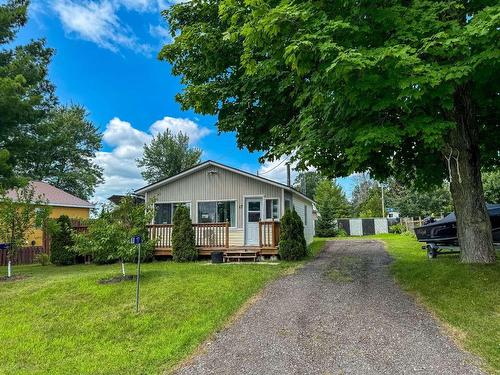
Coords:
288,182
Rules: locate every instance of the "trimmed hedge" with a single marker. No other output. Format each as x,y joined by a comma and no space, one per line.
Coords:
183,237
292,245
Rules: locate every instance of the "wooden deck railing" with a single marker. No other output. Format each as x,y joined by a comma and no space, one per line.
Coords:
269,233
208,235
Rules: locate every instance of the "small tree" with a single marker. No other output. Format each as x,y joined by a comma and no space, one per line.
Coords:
183,237
61,252
292,245
109,237
19,217
332,204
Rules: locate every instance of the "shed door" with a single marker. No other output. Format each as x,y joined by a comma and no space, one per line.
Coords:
253,214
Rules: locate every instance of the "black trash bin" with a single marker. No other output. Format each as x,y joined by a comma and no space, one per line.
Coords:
217,257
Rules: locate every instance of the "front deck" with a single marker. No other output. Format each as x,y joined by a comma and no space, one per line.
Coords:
212,237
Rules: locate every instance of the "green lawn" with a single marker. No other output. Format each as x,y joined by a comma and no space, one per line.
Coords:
59,320
465,297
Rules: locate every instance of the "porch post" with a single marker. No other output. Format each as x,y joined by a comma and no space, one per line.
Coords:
227,234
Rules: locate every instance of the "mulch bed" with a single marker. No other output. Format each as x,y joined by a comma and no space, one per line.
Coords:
116,279
13,278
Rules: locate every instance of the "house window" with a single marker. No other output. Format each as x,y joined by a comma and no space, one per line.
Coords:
272,209
164,212
288,204
305,214
217,212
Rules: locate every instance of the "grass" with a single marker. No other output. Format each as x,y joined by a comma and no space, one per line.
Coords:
59,320
465,297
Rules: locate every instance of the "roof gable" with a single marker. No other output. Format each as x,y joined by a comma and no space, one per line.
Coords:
209,163
54,196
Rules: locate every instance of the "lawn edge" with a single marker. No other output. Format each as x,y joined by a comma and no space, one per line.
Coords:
234,317
456,335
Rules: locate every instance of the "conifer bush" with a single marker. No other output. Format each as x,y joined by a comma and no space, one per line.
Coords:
292,245
183,237
61,252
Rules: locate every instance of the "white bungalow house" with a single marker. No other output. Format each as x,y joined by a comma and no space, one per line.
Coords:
230,209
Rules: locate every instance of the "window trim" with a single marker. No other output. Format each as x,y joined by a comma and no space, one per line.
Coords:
265,209
171,202
305,215
220,200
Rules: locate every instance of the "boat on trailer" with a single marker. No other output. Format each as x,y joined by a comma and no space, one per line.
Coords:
441,236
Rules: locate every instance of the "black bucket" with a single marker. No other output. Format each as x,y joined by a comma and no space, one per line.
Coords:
217,257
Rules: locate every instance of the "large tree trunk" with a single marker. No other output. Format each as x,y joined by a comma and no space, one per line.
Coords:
473,222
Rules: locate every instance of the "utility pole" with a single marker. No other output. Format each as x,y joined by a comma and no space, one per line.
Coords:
383,203
288,181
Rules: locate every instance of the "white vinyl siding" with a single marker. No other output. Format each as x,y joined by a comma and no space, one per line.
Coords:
304,210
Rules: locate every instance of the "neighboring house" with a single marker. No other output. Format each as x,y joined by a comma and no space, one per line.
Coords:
229,208
60,202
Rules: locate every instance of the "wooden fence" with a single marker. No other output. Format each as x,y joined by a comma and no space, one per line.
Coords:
26,255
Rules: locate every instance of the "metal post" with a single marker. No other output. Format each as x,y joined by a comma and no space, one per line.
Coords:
138,276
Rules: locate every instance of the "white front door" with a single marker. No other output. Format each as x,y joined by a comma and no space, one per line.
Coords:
253,214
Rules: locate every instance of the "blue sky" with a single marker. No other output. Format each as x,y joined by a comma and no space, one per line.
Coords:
106,60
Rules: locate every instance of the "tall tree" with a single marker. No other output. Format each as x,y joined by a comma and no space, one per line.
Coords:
25,92
397,88
60,149
166,155
412,202
307,182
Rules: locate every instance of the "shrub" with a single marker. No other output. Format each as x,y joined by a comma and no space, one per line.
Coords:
108,237
42,259
62,242
183,237
397,229
292,245
341,233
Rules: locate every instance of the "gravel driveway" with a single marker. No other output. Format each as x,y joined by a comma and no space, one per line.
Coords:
340,314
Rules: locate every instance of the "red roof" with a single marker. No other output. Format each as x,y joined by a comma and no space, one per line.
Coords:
54,196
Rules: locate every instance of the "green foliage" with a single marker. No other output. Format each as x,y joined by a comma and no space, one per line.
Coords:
20,216
307,182
491,184
108,237
61,252
60,149
331,204
183,237
25,92
388,87
411,202
397,229
43,259
166,155
292,243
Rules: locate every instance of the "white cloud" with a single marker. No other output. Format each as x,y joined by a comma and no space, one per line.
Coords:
121,174
120,133
178,125
98,22
160,32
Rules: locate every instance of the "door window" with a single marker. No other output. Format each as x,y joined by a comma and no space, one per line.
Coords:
253,211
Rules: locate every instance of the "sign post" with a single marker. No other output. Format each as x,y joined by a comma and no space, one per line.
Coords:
137,241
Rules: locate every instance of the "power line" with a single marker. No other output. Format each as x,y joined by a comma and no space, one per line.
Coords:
273,168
